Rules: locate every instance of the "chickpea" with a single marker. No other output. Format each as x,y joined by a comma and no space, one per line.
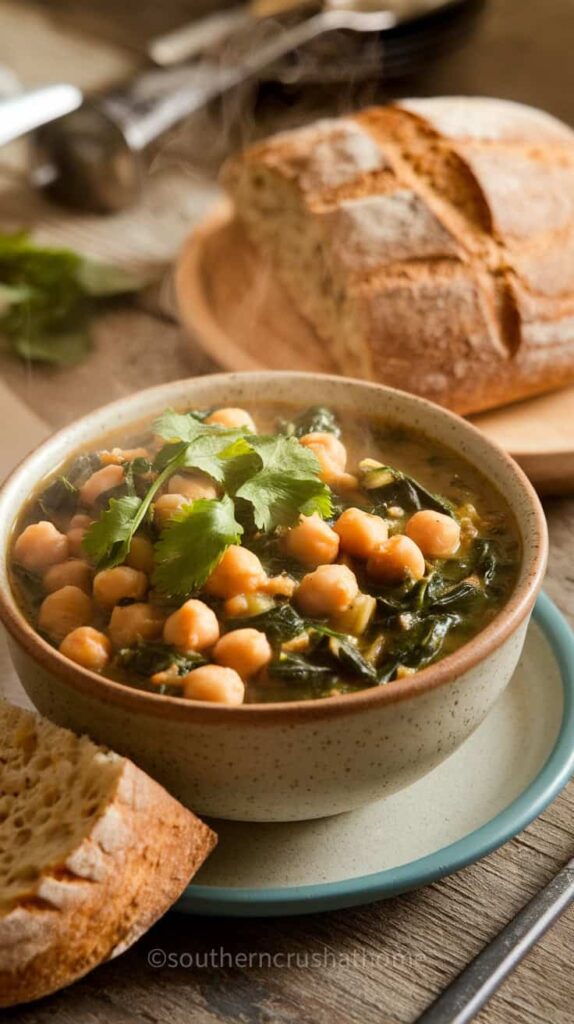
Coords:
236,607
232,418
113,585
77,530
329,590
345,482
80,521
73,573
132,623
118,455
63,611
166,507
312,542
396,560
245,650
192,487
239,571
254,603
437,535
360,532
331,454
39,546
216,684
101,481
140,555
193,627
87,647
280,586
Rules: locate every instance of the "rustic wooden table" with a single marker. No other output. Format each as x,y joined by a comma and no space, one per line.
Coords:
386,962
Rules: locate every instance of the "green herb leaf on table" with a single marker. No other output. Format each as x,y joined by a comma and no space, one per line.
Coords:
47,296
193,543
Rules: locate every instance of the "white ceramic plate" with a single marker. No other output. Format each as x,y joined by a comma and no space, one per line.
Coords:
487,791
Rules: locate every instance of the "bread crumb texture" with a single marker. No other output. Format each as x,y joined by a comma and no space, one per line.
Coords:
92,852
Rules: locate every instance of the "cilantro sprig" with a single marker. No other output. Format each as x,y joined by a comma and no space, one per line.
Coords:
272,474
285,482
192,544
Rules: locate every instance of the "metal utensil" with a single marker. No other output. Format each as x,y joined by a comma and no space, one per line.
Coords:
95,158
26,111
190,41
467,994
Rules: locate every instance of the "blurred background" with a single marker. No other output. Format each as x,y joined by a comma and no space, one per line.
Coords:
124,180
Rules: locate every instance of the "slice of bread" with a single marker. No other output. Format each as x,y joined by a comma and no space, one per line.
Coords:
92,852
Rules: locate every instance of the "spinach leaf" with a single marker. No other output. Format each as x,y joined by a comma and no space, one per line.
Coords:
317,419
332,656
295,668
389,486
59,498
147,659
82,468
462,595
418,646
350,660
269,549
31,584
280,623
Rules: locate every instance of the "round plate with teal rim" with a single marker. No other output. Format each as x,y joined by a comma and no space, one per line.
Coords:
505,774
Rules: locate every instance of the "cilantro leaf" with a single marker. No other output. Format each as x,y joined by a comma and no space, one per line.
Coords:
107,541
278,500
286,484
200,444
177,426
286,454
192,544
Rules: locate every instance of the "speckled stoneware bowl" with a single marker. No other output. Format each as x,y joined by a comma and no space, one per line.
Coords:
290,761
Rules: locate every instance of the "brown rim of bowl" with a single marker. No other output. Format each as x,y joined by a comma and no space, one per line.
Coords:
442,672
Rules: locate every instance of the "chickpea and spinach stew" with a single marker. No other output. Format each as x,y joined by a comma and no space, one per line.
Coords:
228,557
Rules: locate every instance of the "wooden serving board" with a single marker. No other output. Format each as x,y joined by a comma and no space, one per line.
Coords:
231,303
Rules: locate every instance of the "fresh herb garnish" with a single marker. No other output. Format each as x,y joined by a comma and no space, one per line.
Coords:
108,540
192,544
47,296
284,482
274,475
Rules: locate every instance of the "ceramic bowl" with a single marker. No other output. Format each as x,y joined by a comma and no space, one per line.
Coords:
288,761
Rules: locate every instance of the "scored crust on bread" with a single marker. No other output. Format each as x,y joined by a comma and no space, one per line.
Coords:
430,243
92,852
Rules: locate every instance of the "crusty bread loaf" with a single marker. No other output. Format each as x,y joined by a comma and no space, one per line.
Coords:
92,852
430,243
